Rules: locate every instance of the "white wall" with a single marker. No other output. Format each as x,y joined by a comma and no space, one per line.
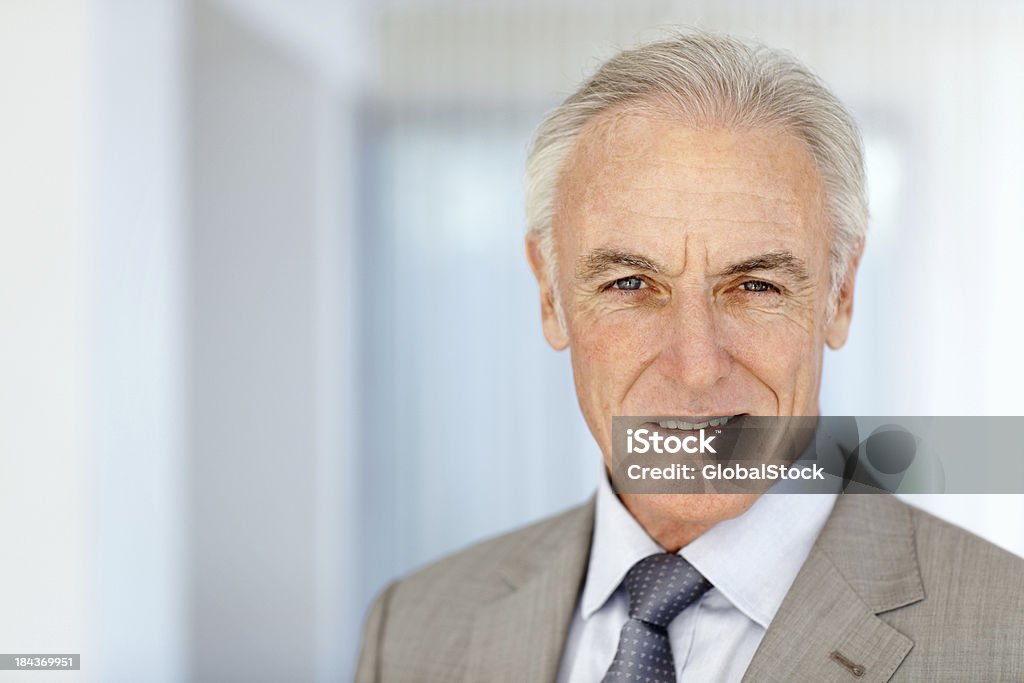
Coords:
252,384
47,238
270,503
139,361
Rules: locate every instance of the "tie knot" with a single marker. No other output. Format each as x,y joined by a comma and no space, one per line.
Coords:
661,586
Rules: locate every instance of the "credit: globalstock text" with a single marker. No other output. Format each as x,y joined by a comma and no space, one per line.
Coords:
734,471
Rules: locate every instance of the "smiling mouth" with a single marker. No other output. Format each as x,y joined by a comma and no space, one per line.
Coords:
703,423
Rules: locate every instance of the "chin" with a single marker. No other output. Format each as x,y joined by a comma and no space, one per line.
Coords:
701,508
684,516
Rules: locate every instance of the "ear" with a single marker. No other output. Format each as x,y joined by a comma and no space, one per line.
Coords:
839,328
554,332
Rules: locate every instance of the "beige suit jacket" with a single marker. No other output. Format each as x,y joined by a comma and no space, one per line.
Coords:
888,593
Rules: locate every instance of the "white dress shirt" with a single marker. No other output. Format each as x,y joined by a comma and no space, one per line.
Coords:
751,561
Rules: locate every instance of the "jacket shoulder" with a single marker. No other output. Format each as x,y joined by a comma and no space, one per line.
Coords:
947,553
419,626
940,544
971,619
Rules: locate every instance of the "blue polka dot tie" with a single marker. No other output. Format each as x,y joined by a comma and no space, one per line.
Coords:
660,587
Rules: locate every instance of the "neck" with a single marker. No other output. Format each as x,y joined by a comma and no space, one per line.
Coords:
675,520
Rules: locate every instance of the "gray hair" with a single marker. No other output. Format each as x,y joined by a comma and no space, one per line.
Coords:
711,79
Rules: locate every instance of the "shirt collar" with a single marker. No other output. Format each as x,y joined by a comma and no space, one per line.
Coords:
752,559
619,543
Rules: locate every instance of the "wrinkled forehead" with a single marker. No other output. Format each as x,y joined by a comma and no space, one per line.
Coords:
647,171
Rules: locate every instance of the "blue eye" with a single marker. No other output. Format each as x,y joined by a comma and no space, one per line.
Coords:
759,286
628,283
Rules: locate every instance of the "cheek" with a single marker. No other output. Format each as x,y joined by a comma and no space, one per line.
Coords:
618,337
608,350
783,353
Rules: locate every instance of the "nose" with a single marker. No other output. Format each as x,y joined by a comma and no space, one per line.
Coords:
692,355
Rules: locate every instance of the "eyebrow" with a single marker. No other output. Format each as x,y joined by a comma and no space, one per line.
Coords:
781,260
600,261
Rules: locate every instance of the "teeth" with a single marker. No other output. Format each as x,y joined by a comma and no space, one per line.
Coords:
692,426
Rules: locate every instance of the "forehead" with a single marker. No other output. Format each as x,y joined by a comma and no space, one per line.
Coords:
650,176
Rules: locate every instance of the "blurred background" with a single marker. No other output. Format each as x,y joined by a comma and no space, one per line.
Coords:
260,260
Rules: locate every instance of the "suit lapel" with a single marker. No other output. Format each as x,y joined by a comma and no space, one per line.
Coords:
521,635
827,629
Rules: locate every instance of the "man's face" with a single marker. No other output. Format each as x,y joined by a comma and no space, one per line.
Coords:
693,271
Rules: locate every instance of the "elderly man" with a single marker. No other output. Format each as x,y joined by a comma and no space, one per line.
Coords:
696,216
